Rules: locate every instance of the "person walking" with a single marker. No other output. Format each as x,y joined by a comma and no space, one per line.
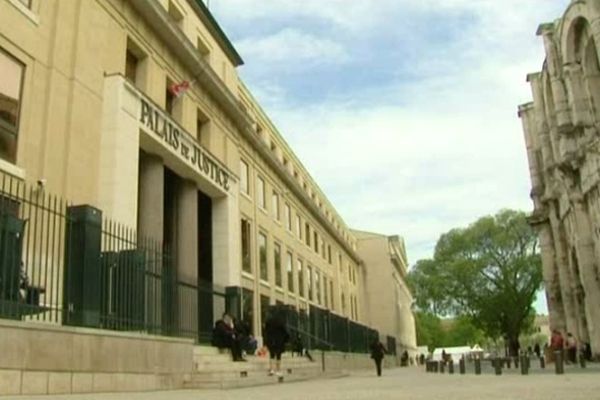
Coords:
377,354
571,348
276,337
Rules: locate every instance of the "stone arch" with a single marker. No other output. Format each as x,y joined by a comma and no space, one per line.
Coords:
579,14
591,72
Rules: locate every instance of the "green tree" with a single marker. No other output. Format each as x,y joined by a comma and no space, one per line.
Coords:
488,272
429,330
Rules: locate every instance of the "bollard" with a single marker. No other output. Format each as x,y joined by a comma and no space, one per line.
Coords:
451,367
428,366
524,366
435,366
461,366
497,366
508,362
442,365
542,362
559,367
477,366
582,360
516,362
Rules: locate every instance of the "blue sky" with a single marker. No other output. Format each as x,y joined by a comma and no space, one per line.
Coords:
404,111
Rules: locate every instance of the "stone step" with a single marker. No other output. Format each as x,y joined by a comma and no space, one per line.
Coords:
238,371
234,375
251,360
251,363
250,367
258,380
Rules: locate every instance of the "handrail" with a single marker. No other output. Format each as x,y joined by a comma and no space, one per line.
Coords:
303,332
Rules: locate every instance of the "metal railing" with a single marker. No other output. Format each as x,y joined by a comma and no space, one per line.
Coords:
324,330
65,264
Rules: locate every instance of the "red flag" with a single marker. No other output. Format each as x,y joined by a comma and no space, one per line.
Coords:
179,88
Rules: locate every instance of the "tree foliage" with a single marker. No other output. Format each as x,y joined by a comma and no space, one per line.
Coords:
435,333
488,272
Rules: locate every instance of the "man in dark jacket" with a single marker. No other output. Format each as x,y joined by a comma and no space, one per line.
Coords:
276,336
224,336
377,353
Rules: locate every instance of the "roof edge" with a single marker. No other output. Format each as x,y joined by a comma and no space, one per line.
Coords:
216,30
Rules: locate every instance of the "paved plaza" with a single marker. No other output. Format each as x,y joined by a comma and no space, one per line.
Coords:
404,383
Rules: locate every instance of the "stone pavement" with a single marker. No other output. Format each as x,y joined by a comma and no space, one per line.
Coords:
398,384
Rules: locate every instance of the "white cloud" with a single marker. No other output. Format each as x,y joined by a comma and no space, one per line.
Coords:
419,156
292,47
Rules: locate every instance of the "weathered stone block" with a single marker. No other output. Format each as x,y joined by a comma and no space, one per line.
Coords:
10,382
34,383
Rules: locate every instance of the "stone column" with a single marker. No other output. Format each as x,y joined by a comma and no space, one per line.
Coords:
227,260
187,232
186,257
151,195
561,104
150,226
585,251
578,98
561,314
573,316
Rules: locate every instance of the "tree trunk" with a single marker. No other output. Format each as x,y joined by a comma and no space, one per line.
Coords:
513,346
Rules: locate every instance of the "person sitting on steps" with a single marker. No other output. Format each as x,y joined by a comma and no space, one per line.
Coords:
225,337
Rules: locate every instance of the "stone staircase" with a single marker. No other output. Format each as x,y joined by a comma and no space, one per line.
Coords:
214,369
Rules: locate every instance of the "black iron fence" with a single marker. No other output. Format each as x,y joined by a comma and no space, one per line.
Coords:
324,330
65,264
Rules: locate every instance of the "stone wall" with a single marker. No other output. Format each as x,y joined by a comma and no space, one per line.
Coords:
562,134
45,359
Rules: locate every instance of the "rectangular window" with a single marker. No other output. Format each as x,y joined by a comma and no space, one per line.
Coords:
298,227
331,297
275,204
290,272
11,81
131,66
244,177
307,233
202,49
202,127
246,253
288,217
309,281
260,192
340,263
318,287
325,294
277,264
248,308
329,253
300,278
175,14
169,97
262,251
316,241
323,249
265,302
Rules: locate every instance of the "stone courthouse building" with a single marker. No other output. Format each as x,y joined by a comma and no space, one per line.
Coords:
386,288
562,134
177,199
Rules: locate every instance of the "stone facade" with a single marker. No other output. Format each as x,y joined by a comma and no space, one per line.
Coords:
562,135
97,122
387,295
88,112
